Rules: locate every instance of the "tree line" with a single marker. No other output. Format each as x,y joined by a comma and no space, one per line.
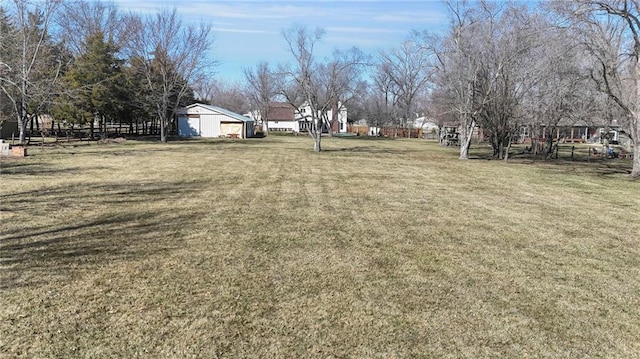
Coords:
85,62
498,65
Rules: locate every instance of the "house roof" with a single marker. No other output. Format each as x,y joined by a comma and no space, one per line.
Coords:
281,111
217,109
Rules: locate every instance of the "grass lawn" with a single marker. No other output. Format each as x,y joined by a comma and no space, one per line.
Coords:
262,248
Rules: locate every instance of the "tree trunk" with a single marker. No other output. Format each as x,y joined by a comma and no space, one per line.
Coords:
506,153
91,129
317,135
634,123
265,121
23,133
465,141
163,131
635,128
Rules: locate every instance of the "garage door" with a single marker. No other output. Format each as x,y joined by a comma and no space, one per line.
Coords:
231,129
189,126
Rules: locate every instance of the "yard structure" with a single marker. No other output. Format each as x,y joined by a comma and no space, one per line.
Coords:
200,120
197,249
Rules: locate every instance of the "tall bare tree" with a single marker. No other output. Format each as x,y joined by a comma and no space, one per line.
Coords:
29,77
457,69
409,70
383,97
171,55
262,87
320,85
302,83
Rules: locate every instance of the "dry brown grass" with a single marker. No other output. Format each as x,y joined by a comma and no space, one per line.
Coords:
262,248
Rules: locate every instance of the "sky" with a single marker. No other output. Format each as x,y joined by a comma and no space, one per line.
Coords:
247,32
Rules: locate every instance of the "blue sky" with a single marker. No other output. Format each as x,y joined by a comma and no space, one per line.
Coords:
247,32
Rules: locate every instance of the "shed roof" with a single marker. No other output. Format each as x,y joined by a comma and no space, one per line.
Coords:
216,109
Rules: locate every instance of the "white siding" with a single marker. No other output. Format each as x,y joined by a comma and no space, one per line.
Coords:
284,126
209,126
188,127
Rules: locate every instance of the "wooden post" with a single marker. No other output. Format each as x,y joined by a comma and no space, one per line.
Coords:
572,149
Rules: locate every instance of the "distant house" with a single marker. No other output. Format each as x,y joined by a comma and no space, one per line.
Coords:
429,127
283,116
338,126
579,131
200,120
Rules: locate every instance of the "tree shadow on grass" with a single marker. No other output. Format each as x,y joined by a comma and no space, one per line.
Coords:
30,255
597,167
26,168
377,150
579,165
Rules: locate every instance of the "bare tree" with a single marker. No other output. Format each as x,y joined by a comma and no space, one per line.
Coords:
320,85
457,70
384,97
28,78
561,91
408,67
205,87
342,78
171,56
79,20
609,31
230,96
302,82
486,69
262,87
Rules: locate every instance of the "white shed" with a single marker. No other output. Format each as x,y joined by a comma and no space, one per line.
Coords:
200,120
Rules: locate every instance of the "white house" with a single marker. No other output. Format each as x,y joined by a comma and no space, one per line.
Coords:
283,116
340,126
200,120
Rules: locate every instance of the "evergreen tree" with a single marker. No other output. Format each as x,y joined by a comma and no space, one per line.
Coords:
93,83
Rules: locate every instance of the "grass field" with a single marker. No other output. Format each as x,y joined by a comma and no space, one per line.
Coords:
261,248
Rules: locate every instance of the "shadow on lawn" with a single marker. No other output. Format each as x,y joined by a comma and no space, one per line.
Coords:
119,230
598,167
26,168
369,149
